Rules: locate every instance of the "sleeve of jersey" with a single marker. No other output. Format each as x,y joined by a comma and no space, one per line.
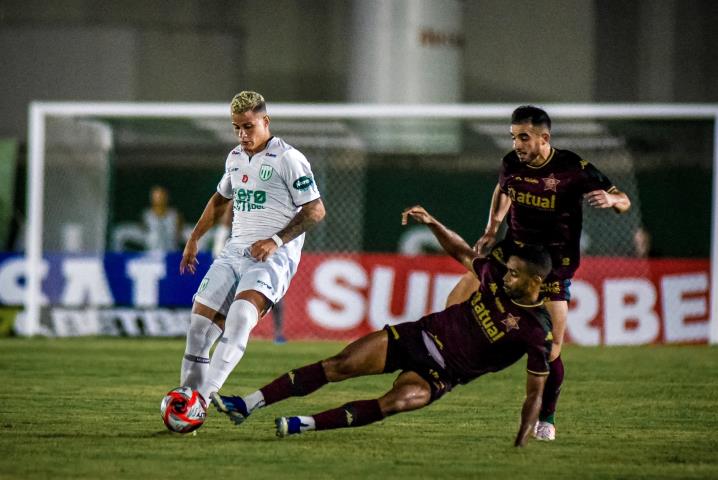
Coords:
224,187
488,269
299,178
502,176
594,179
478,265
537,361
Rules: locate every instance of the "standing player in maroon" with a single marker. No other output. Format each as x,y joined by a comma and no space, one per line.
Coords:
542,189
502,321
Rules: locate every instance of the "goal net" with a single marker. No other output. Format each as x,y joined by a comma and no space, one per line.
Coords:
89,266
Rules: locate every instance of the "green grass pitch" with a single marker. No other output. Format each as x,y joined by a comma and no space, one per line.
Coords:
89,408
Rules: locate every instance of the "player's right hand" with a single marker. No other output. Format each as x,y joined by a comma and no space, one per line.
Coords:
483,245
262,249
418,213
189,257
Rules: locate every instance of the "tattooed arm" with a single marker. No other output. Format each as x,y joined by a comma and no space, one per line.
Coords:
311,214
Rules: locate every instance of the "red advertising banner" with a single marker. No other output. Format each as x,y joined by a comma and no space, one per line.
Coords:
615,301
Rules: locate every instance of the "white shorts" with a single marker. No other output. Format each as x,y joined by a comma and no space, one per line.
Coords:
235,271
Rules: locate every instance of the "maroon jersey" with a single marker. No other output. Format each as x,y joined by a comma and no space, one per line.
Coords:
546,201
489,331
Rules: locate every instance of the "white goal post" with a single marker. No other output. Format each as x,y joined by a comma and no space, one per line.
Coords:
40,111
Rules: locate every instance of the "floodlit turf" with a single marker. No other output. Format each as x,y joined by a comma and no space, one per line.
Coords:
89,408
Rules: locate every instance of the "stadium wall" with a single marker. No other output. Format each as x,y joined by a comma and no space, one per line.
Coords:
206,50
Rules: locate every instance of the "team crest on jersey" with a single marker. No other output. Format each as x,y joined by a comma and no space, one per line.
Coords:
511,322
550,183
265,173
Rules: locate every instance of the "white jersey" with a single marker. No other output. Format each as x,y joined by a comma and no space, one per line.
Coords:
268,191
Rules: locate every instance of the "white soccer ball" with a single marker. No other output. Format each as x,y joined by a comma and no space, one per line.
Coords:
183,410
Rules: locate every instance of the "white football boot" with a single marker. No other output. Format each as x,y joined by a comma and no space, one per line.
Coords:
544,431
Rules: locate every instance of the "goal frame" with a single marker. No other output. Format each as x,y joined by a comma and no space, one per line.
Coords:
40,111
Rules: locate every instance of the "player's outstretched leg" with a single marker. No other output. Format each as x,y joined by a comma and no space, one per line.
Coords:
295,383
234,407
409,392
365,356
545,427
352,414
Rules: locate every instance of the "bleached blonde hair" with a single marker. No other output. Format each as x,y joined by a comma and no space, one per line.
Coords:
246,101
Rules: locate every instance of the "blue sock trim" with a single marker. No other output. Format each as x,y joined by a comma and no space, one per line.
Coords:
294,425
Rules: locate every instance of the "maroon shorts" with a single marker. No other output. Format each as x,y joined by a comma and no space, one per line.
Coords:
407,352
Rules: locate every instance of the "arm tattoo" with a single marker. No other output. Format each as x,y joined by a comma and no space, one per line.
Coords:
303,221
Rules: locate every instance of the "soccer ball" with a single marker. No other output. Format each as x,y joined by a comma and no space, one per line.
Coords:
183,410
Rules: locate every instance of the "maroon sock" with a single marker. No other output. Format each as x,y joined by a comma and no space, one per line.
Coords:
552,390
295,383
353,414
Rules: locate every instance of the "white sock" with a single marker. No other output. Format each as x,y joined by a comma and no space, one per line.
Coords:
241,319
307,423
254,401
201,335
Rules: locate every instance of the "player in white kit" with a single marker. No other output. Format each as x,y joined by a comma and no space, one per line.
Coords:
275,200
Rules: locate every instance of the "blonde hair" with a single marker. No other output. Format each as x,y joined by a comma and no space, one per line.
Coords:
248,100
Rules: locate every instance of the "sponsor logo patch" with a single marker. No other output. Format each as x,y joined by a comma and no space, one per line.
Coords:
303,183
529,199
549,288
482,315
246,200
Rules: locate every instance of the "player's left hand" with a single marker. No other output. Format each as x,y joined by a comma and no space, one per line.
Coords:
262,249
418,213
599,199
